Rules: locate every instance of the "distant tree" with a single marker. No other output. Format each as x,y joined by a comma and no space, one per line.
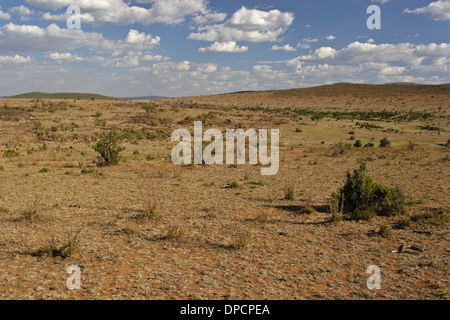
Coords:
317,118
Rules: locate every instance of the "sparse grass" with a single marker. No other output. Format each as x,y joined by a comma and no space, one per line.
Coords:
66,250
403,224
235,185
11,154
340,148
289,193
32,212
385,231
437,218
175,232
243,239
337,207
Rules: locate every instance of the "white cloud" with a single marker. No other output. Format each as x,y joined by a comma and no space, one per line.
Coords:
438,10
65,57
247,25
22,11
286,47
311,40
154,58
230,46
303,46
330,37
29,38
14,60
122,13
357,52
381,1
4,15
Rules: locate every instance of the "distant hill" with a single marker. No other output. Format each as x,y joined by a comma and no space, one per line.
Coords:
364,90
145,98
62,96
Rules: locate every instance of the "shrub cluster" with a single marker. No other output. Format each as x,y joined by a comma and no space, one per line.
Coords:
362,198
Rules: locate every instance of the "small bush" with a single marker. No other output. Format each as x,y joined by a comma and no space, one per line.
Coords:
364,198
336,207
68,249
109,149
174,233
32,212
340,148
243,239
235,185
437,217
385,231
384,143
289,193
10,154
403,224
369,145
43,170
358,144
412,145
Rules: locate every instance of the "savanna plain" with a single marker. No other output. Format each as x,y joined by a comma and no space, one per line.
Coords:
145,228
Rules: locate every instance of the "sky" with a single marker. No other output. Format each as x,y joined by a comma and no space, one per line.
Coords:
177,48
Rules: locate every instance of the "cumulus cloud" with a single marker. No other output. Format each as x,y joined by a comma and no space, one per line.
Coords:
28,38
330,37
247,25
230,46
119,12
22,11
4,15
286,47
357,52
438,10
14,60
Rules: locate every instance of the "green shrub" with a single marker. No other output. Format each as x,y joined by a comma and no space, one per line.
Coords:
369,145
109,149
148,108
358,144
10,154
43,170
385,142
364,198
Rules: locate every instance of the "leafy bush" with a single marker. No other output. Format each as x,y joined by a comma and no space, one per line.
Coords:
358,144
385,143
364,198
109,149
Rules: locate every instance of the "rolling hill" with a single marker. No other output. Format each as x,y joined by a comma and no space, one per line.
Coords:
60,96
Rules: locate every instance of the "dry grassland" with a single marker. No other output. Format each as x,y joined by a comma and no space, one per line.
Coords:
147,229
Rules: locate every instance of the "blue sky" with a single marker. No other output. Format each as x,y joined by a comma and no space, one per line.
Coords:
194,47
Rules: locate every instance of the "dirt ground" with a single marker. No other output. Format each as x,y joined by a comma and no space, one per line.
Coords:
148,229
